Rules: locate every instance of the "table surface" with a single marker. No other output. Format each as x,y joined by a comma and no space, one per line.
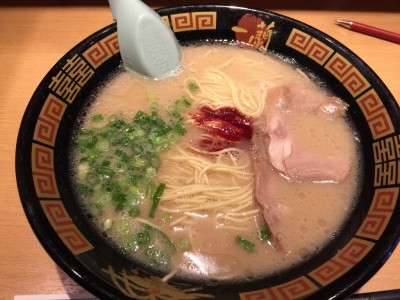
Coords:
33,39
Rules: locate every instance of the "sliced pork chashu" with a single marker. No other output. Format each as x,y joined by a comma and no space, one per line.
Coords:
295,136
304,143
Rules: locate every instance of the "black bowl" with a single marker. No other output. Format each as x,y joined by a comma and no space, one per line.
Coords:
46,192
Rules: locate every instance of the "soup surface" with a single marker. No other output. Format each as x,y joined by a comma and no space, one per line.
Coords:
192,176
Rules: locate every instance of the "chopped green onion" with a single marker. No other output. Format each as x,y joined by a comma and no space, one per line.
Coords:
264,234
158,256
129,128
121,227
165,237
150,189
151,96
180,128
105,163
140,117
154,106
120,206
95,210
166,217
139,162
83,170
117,123
183,102
143,237
97,118
118,159
119,197
105,171
156,199
134,212
91,142
107,224
246,244
103,145
129,243
193,86
137,133
84,189
135,190
92,156
151,172
176,109
122,155
105,198
184,244
155,162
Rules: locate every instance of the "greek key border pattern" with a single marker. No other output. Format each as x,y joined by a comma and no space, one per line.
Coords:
349,76
309,46
190,21
76,72
63,87
64,226
294,289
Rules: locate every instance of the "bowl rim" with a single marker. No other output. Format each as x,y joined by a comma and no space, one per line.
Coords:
73,267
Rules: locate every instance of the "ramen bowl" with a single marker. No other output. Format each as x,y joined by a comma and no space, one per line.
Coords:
47,194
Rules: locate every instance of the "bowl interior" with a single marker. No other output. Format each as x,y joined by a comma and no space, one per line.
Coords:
45,187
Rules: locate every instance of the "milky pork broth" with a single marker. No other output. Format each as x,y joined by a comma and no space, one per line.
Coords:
238,166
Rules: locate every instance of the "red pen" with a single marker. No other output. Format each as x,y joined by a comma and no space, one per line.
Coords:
372,31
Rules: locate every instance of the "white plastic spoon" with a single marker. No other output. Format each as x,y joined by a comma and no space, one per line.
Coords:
147,45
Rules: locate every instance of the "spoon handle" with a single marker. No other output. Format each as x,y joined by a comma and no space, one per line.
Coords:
147,45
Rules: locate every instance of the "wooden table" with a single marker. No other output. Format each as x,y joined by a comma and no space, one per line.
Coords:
32,39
